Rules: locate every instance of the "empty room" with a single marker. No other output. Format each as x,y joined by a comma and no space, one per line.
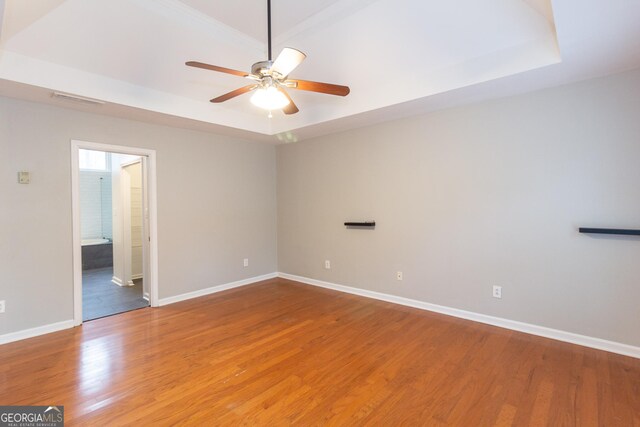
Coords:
338,212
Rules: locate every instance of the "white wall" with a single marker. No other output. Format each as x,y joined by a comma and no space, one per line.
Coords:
488,194
216,206
464,199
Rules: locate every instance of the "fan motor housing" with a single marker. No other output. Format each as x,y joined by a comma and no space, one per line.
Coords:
262,68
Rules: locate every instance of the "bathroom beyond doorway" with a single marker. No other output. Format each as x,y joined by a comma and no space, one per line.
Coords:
113,229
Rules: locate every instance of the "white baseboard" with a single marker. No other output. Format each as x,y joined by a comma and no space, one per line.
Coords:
146,296
214,289
34,332
597,343
136,276
54,327
115,280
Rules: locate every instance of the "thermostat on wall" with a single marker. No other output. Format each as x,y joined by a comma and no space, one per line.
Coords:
23,177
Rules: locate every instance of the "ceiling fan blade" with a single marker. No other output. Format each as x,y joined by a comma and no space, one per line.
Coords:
234,93
291,108
216,68
287,61
327,88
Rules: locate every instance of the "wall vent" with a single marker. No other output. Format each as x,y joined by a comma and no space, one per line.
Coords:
76,98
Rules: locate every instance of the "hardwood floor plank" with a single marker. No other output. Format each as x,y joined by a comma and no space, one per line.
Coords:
283,353
506,416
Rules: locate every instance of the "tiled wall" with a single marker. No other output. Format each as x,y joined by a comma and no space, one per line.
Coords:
95,206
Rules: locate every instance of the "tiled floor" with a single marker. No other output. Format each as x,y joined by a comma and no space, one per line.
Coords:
101,297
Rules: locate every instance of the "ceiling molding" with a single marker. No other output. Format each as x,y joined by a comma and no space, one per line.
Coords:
12,89
34,72
475,71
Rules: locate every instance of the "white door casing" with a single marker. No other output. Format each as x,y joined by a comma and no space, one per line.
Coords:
150,262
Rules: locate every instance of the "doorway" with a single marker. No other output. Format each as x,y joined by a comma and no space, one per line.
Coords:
115,257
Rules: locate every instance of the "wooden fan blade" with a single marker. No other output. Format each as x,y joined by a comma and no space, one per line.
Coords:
216,68
291,108
327,88
234,93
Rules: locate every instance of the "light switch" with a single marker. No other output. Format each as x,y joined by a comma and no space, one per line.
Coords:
24,177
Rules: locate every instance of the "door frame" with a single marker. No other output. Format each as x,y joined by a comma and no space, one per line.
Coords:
151,178
125,191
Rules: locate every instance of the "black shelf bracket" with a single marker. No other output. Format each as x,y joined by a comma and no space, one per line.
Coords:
617,231
368,224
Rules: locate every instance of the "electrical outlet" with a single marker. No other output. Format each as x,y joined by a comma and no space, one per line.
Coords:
246,262
399,275
2,306
327,264
497,291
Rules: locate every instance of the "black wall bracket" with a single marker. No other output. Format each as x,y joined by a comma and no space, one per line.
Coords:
618,231
369,224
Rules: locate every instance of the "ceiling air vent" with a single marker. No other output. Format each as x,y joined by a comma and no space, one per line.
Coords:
76,98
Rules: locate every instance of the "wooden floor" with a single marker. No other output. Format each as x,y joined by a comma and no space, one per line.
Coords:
280,353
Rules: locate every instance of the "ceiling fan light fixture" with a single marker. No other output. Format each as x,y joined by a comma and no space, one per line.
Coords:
269,98
270,79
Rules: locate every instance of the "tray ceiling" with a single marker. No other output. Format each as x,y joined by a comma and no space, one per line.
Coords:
400,57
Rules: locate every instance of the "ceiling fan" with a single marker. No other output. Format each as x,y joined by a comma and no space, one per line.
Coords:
270,79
